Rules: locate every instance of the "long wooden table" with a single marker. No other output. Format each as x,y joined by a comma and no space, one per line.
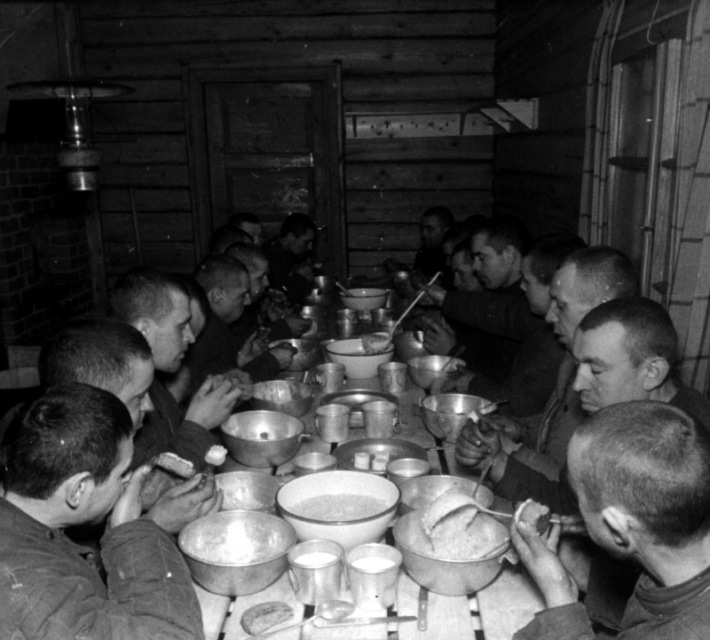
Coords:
500,609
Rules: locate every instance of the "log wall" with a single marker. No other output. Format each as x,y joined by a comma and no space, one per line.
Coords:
543,51
396,56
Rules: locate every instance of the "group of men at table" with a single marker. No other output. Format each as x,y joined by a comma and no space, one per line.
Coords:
597,427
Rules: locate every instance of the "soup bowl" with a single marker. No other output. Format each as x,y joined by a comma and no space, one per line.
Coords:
348,507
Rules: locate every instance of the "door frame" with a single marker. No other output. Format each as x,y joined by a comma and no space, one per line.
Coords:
332,209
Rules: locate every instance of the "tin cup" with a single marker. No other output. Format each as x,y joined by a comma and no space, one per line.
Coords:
379,316
403,469
315,567
372,571
330,377
332,422
393,376
313,462
346,315
381,419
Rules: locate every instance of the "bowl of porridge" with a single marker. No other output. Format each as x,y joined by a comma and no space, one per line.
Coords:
348,507
236,553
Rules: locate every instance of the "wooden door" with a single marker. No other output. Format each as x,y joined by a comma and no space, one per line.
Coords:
268,142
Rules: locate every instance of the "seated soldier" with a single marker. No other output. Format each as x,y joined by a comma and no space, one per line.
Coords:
288,254
249,224
586,279
641,474
625,350
67,463
225,281
497,250
158,305
114,356
263,310
534,370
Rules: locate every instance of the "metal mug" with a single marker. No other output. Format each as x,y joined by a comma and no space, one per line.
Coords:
330,377
315,568
332,422
372,571
347,328
403,469
381,419
379,316
393,376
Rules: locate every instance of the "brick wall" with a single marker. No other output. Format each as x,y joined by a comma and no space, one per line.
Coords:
45,275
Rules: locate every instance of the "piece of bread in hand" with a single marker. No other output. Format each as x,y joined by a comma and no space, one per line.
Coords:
175,464
261,617
534,513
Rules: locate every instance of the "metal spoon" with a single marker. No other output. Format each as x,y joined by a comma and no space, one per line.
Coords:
380,341
328,610
343,289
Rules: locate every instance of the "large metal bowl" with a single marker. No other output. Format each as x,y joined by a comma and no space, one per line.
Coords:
262,438
445,414
358,364
323,292
286,396
248,491
309,353
408,345
428,371
348,533
237,553
447,577
365,299
419,493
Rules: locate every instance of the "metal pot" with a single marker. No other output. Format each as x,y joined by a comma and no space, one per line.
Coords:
445,414
263,438
323,292
309,353
447,577
286,396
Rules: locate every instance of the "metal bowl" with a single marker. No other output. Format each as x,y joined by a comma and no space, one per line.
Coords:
419,493
248,491
348,533
309,353
447,577
408,345
445,414
427,371
286,396
313,462
365,299
323,292
237,553
262,438
358,364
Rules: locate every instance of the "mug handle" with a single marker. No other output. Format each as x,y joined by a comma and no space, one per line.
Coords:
397,427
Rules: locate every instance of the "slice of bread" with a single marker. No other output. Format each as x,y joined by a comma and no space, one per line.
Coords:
535,514
261,617
175,464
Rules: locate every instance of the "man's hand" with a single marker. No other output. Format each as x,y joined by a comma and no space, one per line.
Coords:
506,426
284,354
128,507
298,324
213,402
186,502
436,294
155,485
439,337
305,270
478,442
459,384
251,348
539,557
242,380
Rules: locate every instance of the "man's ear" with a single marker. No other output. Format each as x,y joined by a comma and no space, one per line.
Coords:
215,295
76,489
511,254
656,371
621,529
143,325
